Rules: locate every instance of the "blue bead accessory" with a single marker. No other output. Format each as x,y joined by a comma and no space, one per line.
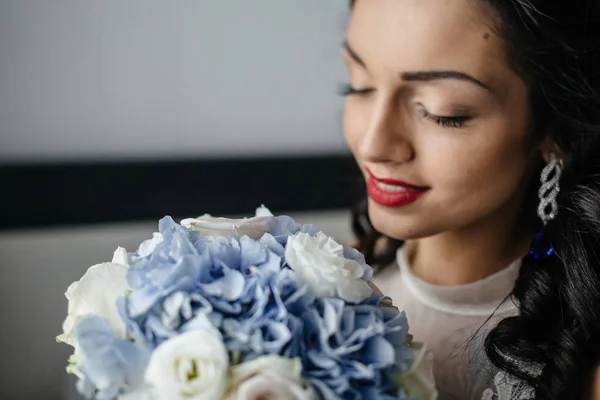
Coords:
540,247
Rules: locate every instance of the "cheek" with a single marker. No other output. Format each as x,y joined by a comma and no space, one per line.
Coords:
355,124
479,171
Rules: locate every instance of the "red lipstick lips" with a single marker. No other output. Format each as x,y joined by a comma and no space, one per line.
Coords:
393,192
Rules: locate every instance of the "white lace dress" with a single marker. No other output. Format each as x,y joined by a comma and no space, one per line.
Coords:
448,319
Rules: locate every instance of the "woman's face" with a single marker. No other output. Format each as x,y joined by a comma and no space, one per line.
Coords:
434,104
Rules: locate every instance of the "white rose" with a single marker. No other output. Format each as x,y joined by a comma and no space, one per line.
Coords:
320,264
418,381
96,293
253,227
191,366
269,377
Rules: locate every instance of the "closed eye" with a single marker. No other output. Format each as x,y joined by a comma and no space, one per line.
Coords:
453,121
348,90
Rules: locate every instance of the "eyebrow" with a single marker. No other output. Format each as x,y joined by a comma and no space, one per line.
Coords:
423,76
353,54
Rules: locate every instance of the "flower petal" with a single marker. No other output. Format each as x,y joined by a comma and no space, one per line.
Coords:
106,361
192,365
120,256
96,293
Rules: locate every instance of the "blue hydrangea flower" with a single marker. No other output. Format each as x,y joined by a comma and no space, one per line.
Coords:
238,282
353,351
110,366
232,264
173,315
172,264
270,322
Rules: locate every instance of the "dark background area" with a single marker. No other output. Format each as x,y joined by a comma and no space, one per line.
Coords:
91,193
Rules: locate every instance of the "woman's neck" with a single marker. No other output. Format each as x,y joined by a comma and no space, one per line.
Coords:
468,255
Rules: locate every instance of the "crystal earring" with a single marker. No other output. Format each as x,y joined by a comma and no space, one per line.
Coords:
548,192
541,247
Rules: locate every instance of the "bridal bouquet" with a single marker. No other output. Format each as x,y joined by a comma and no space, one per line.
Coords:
257,308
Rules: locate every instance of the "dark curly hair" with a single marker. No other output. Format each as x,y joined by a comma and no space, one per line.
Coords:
555,47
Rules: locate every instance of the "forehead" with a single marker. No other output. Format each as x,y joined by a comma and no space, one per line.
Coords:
393,36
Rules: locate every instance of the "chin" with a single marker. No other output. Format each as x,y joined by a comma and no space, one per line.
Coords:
398,225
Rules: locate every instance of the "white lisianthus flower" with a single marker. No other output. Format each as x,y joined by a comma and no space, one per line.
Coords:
418,381
96,293
120,256
253,227
191,366
320,264
269,377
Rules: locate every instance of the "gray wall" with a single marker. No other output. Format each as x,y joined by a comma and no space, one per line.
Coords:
85,79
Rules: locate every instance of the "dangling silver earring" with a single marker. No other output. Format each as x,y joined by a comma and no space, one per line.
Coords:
549,190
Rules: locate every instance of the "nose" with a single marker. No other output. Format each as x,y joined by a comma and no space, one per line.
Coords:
387,138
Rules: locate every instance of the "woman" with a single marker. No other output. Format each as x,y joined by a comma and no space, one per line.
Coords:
476,124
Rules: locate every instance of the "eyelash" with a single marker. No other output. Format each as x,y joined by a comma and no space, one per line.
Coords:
347,90
455,122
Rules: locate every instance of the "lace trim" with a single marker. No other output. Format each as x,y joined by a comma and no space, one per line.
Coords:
508,388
